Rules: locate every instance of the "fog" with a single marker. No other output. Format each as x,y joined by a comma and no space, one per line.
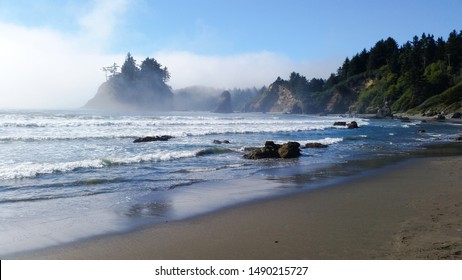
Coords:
42,69
241,70
46,68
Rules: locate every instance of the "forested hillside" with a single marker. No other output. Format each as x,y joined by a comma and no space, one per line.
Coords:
421,76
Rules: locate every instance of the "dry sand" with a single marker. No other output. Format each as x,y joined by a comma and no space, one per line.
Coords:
409,211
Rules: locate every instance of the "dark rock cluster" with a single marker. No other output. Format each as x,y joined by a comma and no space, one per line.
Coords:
350,125
272,150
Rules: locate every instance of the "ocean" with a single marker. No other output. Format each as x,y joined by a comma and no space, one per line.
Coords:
72,175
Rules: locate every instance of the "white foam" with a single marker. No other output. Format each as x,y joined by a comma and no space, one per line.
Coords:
325,141
30,169
62,127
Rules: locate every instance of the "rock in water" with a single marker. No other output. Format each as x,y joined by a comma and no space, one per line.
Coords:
152,138
224,103
272,150
353,125
315,145
289,150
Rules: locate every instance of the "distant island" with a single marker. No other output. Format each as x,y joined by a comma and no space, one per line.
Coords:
135,88
421,77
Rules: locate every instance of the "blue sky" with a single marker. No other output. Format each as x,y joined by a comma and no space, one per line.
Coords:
224,44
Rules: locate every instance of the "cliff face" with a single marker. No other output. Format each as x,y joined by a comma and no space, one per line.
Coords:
276,98
360,94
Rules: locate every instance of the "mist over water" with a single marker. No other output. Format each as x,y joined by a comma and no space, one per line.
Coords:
66,175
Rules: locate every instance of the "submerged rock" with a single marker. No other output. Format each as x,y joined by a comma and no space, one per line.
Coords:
221,142
153,138
315,145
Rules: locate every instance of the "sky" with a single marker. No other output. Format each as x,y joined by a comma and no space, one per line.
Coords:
52,51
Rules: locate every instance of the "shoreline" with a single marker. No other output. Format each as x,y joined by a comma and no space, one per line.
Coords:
409,210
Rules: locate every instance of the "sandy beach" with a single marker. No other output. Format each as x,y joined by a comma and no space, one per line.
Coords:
411,210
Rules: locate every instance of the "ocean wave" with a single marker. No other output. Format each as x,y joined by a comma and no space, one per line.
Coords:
325,141
5,139
211,169
70,127
41,197
29,169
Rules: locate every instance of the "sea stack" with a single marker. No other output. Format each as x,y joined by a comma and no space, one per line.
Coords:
224,103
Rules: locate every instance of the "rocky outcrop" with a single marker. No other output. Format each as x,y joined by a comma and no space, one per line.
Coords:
276,98
456,115
153,138
224,103
439,117
135,88
272,150
352,125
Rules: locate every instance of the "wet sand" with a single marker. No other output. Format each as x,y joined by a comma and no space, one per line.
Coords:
411,210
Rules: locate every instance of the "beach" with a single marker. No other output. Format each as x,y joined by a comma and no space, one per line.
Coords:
410,210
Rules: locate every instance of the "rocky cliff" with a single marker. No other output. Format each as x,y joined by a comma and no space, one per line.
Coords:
364,94
276,98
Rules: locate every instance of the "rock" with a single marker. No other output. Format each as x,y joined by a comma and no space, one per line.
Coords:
384,112
429,113
153,138
289,150
440,117
224,103
352,125
405,119
220,142
459,138
456,115
272,150
315,145
421,131
268,151
340,123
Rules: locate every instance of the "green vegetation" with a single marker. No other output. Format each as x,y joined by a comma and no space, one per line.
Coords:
422,75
